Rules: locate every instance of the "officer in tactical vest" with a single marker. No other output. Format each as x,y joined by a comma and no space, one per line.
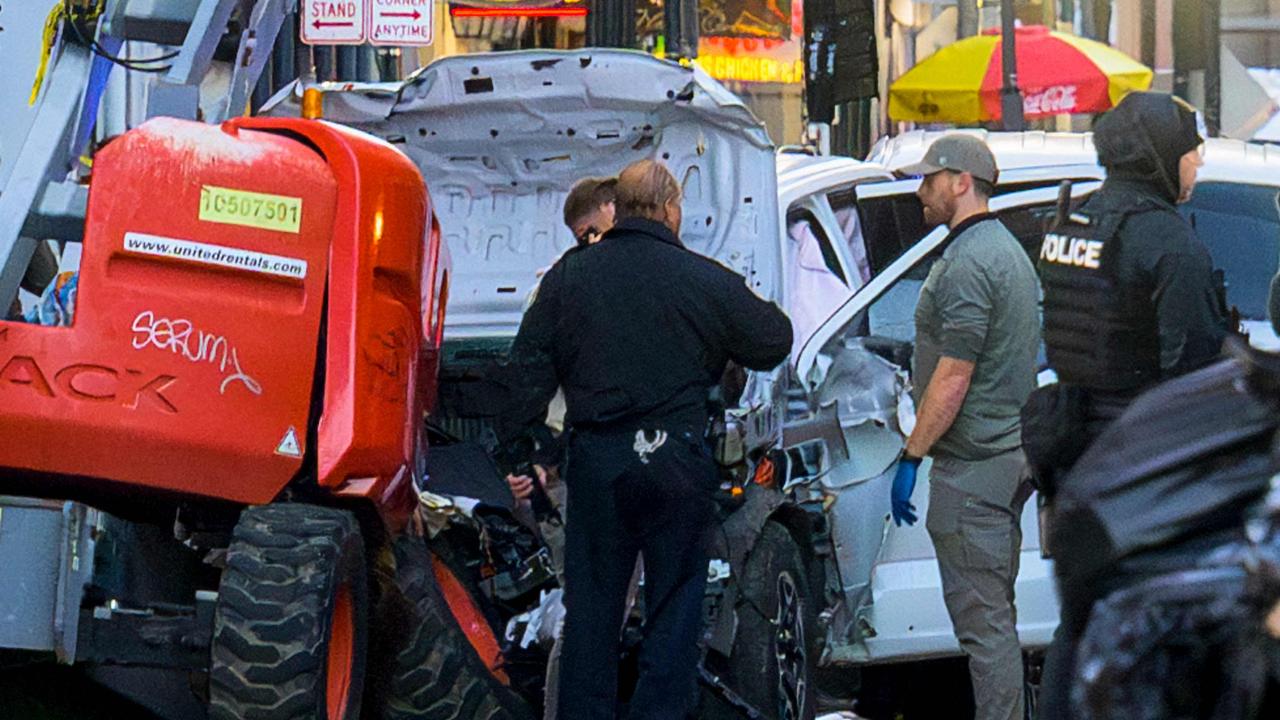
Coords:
1130,295
1130,299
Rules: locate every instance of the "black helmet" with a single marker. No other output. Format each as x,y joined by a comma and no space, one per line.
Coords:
1145,136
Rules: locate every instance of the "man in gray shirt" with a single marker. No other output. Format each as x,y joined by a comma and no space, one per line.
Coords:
977,336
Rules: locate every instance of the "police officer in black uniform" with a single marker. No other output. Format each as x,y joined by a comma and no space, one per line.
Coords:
637,330
1130,299
1130,294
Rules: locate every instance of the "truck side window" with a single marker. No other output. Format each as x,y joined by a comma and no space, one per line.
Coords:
1240,225
1029,223
892,315
844,203
890,225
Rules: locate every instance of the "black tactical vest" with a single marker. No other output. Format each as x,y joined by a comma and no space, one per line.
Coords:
1099,334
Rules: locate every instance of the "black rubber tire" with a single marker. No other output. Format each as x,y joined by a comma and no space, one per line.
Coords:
425,667
752,669
271,632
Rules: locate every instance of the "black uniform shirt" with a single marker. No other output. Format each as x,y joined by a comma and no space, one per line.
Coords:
637,329
1160,252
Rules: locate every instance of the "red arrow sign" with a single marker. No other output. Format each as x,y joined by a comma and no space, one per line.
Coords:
334,22
402,22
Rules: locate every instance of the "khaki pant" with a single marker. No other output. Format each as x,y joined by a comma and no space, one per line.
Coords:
975,511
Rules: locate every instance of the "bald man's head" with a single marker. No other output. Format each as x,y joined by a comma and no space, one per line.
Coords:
647,189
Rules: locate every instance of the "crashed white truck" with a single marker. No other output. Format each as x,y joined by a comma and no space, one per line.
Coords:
810,577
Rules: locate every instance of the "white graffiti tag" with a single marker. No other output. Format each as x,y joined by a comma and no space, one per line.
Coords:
181,338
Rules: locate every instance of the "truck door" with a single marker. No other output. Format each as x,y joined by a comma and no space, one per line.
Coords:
856,369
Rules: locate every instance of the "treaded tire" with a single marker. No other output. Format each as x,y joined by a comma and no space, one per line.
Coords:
752,670
425,666
287,566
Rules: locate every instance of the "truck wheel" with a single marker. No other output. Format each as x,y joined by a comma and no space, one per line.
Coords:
773,656
291,625
436,653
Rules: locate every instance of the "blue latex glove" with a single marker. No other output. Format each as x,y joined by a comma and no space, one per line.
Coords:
904,483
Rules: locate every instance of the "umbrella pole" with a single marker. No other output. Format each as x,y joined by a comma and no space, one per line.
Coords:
1213,66
1010,96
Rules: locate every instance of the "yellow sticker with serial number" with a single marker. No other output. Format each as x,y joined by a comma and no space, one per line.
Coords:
250,209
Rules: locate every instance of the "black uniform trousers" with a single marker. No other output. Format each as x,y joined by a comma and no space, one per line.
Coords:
646,493
1075,599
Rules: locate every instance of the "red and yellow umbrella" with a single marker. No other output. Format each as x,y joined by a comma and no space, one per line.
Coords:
1057,73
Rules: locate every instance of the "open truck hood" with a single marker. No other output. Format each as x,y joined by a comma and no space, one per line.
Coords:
501,137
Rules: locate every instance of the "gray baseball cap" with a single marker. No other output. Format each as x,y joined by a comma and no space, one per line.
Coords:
958,153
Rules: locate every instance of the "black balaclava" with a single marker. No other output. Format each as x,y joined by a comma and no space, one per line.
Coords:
1144,137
